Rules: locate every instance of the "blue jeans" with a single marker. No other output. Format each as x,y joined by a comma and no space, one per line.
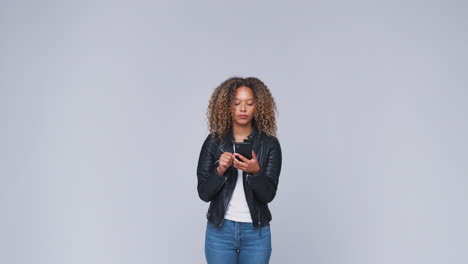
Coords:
237,243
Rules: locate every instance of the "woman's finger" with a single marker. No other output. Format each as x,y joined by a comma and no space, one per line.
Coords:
240,164
244,159
254,156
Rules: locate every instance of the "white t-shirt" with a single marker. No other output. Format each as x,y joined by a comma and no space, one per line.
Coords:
238,209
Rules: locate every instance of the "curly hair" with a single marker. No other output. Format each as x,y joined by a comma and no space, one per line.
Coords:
219,107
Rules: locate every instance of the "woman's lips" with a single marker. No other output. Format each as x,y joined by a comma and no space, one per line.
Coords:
243,116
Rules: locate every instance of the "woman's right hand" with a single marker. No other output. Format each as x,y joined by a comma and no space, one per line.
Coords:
225,162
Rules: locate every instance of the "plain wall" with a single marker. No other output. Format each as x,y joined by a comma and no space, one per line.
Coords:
103,109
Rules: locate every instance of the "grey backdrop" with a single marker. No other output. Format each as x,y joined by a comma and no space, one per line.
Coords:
103,116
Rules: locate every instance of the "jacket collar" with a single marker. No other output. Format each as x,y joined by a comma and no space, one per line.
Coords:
252,136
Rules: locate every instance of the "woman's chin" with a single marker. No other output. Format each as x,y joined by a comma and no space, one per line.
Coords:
243,122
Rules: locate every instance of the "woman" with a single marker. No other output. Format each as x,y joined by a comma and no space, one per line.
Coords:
239,189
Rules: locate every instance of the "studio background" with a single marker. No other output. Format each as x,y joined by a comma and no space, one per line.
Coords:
103,115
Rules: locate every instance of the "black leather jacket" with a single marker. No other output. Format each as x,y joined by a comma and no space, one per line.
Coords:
260,188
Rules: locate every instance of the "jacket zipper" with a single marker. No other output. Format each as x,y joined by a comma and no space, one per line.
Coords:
225,207
230,196
259,224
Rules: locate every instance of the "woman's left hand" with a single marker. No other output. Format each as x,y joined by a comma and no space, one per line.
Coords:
250,166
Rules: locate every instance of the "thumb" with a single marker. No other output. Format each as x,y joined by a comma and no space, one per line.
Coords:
254,156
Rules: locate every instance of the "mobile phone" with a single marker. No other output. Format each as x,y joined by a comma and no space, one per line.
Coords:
243,148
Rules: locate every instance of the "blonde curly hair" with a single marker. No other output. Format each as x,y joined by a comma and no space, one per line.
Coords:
219,107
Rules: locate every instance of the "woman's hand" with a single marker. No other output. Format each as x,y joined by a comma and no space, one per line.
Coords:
251,166
224,162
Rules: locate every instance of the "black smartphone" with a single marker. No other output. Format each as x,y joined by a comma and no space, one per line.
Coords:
243,148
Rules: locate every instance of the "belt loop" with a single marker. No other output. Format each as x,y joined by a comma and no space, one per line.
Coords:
259,229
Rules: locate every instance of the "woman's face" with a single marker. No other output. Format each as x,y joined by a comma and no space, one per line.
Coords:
243,106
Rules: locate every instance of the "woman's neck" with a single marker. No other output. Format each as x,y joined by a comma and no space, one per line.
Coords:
241,132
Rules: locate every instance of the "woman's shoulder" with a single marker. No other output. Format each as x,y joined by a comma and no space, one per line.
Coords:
268,138
211,139
209,144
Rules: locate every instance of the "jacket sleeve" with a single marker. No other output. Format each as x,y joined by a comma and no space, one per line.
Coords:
265,183
209,181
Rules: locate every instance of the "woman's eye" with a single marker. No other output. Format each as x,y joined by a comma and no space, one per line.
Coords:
249,104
